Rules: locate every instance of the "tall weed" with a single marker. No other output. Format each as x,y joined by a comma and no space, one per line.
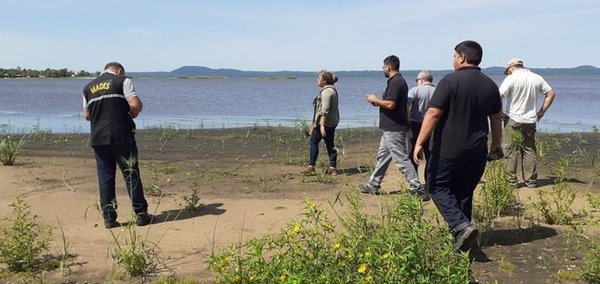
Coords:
496,195
10,149
24,240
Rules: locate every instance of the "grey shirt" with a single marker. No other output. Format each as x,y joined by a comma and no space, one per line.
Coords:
418,99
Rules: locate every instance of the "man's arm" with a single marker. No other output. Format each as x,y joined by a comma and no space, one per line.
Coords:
86,113
376,101
547,103
496,126
430,121
135,105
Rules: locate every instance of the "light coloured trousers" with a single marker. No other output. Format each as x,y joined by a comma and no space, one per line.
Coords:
519,146
393,147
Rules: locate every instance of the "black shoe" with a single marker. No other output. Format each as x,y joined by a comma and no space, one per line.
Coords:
143,219
367,189
421,192
111,224
466,239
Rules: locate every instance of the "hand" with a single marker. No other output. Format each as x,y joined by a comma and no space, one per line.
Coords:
323,133
372,99
310,130
540,114
417,154
495,154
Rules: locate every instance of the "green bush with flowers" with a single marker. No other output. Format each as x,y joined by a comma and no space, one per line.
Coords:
397,246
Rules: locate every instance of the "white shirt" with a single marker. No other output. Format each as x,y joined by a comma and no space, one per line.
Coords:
520,91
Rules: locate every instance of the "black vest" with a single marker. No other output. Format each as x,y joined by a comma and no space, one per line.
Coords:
109,111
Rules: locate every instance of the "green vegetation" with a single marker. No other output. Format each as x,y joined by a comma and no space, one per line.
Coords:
30,73
24,240
134,254
495,197
399,246
555,205
10,150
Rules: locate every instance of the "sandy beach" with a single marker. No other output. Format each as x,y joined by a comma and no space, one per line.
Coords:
249,184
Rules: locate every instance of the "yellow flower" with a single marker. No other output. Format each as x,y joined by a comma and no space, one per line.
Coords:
367,254
386,255
296,228
251,277
282,277
337,245
362,268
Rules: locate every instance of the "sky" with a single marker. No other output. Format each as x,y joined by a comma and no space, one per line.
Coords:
301,35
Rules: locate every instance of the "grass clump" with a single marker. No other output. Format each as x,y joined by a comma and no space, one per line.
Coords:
10,149
399,246
24,240
591,268
134,254
555,205
496,195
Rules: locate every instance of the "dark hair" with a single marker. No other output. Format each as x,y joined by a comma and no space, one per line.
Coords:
329,77
471,50
393,61
114,64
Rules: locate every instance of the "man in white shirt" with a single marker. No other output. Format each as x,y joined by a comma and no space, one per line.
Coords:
520,90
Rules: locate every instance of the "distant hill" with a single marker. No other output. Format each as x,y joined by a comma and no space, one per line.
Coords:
206,72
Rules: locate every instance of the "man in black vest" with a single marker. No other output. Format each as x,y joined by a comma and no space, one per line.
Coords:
110,104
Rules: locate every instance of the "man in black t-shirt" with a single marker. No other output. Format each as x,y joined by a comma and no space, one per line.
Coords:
458,118
393,121
110,104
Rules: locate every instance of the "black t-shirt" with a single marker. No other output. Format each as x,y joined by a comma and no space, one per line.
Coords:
110,120
467,98
395,119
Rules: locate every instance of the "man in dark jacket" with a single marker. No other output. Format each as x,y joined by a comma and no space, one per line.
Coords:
110,104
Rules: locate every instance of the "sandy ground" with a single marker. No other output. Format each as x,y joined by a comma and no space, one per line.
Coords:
249,185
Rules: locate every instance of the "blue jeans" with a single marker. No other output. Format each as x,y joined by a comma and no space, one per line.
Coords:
315,138
451,185
126,157
394,147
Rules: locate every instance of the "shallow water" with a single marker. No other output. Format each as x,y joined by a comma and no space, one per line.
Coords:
55,104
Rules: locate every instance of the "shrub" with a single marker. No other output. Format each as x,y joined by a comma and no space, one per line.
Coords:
495,196
591,268
398,246
24,240
137,256
555,206
10,149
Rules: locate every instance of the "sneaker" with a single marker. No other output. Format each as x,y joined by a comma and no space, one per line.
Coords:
421,194
333,171
111,224
143,219
467,238
367,189
308,171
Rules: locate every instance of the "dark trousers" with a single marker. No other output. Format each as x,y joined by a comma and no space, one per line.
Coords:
415,129
451,185
126,157
315,138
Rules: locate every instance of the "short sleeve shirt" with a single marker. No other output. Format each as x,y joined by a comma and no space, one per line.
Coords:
395,119
521,89
467,98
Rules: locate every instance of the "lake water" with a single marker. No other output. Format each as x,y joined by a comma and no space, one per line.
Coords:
55,104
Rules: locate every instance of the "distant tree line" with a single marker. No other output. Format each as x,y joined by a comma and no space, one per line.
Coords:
51,73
